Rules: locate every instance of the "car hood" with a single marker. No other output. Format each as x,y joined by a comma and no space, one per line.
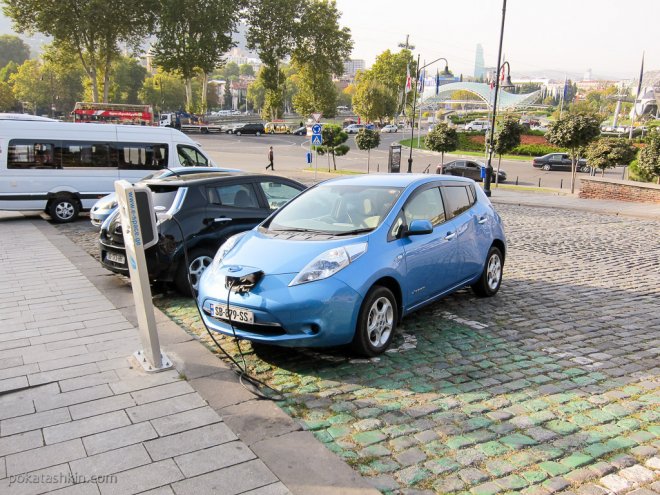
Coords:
280,255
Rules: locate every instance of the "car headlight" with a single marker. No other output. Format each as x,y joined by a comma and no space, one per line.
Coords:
328,263
224,249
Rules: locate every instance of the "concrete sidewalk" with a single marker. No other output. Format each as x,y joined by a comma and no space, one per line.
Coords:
77,415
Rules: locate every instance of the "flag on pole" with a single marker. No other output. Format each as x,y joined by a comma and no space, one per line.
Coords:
408,80
437,82
502,74
420,83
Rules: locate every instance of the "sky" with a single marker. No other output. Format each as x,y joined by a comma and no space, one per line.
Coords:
605,36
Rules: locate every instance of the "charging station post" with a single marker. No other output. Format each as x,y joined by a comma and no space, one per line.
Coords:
138,223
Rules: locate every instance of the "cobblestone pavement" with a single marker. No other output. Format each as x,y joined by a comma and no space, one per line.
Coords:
553,386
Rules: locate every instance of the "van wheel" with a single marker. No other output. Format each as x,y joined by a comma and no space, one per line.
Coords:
376,322
199,260
63,209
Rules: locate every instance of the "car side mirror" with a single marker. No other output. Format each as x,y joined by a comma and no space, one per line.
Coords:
419,227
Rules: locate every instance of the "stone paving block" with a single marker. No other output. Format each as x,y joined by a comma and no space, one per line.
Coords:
59,476
273,489
43,457
214,458
68,398
229,481
120,437
24,370
85,427
78,489
162,392
144,478
34,421
616,483
112,461
13,408
62,374
165,407
15,383
100,406
637,474
142,381
186,420
93,379
189,441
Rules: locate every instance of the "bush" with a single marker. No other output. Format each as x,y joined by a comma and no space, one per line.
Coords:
534,149
465,142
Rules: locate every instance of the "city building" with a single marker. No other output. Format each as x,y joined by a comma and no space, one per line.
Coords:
479,70
352,66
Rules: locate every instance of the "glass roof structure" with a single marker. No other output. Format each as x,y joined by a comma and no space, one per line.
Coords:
505,100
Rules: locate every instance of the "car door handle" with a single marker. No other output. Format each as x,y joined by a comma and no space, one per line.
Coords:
483,220
450,236
222,219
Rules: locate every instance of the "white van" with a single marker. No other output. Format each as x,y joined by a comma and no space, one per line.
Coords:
478,125
63,168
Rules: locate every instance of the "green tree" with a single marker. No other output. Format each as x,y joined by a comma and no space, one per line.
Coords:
367,139
648,163
128,79
391,70
13,49
192,37
315,93
334,138
256,93
64,75
442,139
8,70
227,98
608,153
373,100
572,132
7,100
92,29
163,91
246,70
232,71
29,86
506,139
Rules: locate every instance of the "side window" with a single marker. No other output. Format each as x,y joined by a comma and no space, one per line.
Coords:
236,195
277,194
86,154
25,153
191,157
143,156
426,205
457,199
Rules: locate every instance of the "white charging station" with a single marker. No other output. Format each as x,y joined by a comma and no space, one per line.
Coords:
138,223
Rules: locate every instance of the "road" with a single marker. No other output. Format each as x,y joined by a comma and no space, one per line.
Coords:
250,153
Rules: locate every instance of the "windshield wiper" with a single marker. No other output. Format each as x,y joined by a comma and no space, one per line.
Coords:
297,229
355,231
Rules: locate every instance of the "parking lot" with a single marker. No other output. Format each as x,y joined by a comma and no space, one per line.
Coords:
551,386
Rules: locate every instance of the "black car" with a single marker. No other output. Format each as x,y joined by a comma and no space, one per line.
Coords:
468,168
207,208
301,131
257,129
559,161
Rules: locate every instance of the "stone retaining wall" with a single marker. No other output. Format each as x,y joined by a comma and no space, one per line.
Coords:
622,190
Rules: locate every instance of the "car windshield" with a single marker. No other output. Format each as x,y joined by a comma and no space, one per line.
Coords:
336,209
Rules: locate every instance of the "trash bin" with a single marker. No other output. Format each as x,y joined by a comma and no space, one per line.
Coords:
394,162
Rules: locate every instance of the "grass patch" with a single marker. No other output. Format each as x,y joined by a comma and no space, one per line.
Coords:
422,146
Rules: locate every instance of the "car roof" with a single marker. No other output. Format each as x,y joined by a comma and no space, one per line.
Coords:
393,180
204,177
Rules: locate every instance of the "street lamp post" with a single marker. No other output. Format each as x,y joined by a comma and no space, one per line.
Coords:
412,127
489,166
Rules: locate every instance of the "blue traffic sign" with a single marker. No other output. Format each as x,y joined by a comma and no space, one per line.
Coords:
316,129
316,140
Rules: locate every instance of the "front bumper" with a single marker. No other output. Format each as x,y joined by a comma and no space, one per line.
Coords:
317,314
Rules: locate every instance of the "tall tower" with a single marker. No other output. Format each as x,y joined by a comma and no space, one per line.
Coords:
479,62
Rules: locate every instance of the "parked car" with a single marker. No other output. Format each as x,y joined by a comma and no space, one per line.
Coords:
354,128
478,125
468,168
230,128
256,129
107,204
301,131
205,209
559,161
389,128
350,257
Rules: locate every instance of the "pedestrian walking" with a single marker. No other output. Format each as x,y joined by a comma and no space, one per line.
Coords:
270,160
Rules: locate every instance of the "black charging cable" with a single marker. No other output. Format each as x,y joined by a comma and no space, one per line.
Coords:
242,370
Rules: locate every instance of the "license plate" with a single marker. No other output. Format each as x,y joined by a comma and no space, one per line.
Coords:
116,258
239,315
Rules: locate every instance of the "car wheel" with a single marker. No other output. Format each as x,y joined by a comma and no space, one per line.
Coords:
238,133
585,168
199,260
491,278
376,322
63,209
546,167
258,133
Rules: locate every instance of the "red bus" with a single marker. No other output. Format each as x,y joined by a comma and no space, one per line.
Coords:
113,113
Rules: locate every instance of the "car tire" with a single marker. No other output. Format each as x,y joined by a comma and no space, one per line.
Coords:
199,260
376,322
546,167
258,133
238,133
585,169
491,277
63,209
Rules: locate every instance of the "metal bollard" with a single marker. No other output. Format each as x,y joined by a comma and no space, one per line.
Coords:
539,182
561,184
516,180
378,167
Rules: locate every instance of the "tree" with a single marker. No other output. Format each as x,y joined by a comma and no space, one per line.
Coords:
128,79
163,91
227,98
256,93
8,70
92,29
573,131
192,37
246,70
334,138
13,49
64,75
232,71
7,100
316,93
648,162
608,153
506,139
442,139
367,139
391,70
29,86
373,100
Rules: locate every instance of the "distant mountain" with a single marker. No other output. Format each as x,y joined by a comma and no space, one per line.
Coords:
558,75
